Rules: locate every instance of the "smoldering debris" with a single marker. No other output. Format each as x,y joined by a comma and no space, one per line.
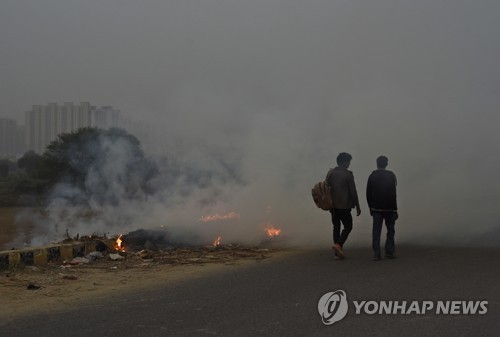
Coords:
148,239
158,246
205,254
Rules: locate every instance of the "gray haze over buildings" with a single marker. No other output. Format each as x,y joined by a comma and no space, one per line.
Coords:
287,85
43,123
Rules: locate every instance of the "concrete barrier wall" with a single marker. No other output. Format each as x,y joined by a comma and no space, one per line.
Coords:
57,253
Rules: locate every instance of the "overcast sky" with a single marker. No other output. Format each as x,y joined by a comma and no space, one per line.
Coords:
139,56
291,82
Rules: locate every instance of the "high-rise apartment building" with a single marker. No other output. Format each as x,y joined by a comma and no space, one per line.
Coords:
106,117
11,138
45,122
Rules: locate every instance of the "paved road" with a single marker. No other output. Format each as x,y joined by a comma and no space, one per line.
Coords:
279,297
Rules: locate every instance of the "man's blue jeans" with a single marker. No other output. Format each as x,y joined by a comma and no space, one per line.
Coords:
378,219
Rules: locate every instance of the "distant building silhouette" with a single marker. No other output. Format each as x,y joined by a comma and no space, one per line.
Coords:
43,123
11,138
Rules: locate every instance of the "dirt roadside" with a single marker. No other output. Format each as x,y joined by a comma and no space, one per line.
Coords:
55,287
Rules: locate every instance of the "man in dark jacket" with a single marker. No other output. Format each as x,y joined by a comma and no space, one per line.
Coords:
344,197
381,197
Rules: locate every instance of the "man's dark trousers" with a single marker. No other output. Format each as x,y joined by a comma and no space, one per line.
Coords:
344,216
378,219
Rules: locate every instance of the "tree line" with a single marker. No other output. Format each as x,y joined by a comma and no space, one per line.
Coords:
93,166
29,180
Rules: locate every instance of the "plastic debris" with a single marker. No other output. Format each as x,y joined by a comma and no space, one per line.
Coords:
33,286
94,256
79,260
114,257
70,277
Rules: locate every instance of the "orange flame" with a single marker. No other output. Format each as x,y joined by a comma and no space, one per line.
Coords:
272,231
217,242
119,244
217,216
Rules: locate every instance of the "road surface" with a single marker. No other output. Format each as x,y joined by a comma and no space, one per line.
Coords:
279,297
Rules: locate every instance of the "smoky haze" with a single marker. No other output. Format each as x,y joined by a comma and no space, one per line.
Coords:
286,85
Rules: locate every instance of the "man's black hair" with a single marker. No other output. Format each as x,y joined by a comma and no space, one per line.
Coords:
382,162
343,157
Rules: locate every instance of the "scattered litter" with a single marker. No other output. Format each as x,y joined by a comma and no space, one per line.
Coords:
70,277
114,257
79,260
33,286
94,256
144,254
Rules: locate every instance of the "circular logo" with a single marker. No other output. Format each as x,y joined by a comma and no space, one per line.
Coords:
332,307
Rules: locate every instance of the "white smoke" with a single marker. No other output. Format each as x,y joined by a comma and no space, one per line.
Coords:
286,86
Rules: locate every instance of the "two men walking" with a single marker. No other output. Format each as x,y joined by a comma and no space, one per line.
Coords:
381,198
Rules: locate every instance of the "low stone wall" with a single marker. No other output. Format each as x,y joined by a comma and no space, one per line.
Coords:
57,253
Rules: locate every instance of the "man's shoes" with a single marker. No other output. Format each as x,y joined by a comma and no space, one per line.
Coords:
376,258
338,250
338,257
390,255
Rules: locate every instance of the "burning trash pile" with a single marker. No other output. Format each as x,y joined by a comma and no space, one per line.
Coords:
79,256
154,247
160,246
150,251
